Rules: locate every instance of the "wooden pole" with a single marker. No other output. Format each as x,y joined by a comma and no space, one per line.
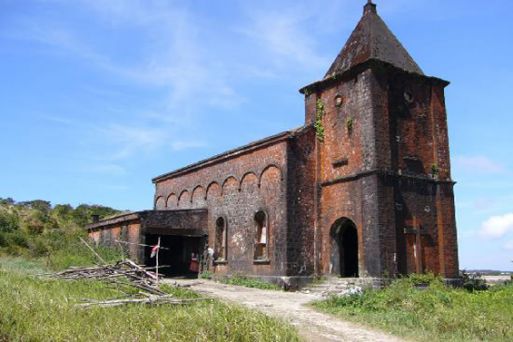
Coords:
418,245
94,252
157,261
138,244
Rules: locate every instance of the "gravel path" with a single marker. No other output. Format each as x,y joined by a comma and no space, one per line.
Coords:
312,325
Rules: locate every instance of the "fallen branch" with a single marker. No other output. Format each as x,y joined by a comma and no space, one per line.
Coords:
149,300
176,284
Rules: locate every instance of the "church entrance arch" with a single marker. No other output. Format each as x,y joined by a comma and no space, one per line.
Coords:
344,248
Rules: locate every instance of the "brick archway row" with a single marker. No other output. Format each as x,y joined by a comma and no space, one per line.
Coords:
188,194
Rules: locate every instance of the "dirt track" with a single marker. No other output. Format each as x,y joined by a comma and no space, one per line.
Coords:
312,325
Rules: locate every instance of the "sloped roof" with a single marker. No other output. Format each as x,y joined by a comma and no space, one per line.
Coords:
233,153
372,40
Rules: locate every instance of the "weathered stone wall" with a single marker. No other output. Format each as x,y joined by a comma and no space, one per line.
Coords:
384,159
346,159
128,231
302,203
133,236
447,234
235,188
95,236
165,222
419,148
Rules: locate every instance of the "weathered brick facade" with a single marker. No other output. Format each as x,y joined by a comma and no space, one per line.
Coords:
362,189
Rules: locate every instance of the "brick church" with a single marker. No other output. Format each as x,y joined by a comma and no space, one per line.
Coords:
363,189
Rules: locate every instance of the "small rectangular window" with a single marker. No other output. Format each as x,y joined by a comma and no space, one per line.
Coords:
261,238
220,250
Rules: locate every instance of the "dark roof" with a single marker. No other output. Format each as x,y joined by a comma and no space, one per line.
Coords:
149,215
123,217
232,153
372,40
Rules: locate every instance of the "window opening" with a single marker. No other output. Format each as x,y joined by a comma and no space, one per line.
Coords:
220,243
261,238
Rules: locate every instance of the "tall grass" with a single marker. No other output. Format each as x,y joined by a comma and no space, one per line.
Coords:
44,310
256,283
436,313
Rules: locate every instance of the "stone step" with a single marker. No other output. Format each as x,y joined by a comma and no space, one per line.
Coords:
325,287
334,292
339,286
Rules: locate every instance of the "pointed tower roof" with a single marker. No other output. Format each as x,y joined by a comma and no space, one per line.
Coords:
372,40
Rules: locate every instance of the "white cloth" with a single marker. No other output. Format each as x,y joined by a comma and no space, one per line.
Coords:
263,235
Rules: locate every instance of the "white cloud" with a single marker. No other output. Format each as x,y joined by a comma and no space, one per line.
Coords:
170,51
126,140
284,37
57,120
171,57
509,245
174,57
497,226
107,168
185,145
479,164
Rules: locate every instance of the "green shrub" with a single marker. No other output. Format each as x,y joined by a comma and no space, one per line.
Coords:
36,229
18,238
8,219
423,308
206,275
473,282
38,247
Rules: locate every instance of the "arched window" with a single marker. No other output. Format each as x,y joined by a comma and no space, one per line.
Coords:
261,238
220,251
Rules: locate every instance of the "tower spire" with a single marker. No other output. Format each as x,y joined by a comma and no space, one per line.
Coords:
372,40
370,7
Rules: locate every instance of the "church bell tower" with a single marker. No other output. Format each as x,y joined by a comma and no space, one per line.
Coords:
383,166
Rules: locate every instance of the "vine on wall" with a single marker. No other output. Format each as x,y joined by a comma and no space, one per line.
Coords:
349,124
319,114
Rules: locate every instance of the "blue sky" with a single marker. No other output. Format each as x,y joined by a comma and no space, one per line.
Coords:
98,97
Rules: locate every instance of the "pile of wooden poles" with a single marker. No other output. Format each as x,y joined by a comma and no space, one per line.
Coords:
126,276
124,272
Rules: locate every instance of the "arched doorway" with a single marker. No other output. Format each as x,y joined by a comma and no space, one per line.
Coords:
344,248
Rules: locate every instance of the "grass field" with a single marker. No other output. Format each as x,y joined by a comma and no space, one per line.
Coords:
436,313
33,308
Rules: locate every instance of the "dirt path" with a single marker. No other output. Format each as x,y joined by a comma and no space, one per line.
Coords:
312,325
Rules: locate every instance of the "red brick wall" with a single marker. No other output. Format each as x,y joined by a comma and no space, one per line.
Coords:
134,237
301,245
236,189
378,172
348,150
95,236
124,231
419,145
